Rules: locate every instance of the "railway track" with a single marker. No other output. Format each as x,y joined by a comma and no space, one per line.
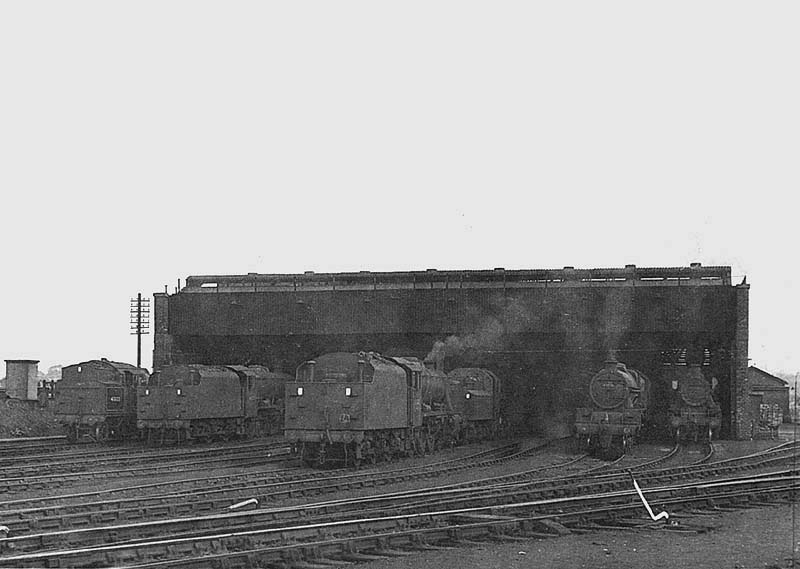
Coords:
31,478
493,490
201,494
487,492
81,461
336,539
627,462
22,446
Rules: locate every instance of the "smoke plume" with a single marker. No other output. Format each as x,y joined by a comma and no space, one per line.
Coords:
489,337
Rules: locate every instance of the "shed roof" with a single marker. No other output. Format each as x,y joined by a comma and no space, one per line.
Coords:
762,377
695,274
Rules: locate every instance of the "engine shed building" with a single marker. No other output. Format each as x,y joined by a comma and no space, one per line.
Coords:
545,332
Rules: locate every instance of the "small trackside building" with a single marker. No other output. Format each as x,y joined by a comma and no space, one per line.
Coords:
767,389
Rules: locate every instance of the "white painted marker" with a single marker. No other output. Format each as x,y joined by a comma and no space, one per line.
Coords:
655,518
242,504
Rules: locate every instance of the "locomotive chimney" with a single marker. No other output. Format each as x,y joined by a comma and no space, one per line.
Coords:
435,361
311,367
611,358
361,365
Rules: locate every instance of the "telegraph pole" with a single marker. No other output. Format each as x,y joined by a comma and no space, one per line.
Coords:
140,322
794,418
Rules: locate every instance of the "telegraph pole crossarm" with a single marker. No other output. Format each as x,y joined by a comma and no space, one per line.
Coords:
140,322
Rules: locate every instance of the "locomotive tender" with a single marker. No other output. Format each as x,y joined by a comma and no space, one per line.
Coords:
190,402
619,397
97,399
354,407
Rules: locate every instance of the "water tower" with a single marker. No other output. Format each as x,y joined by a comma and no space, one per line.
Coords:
22,379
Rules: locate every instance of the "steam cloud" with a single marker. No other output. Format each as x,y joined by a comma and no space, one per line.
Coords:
535,388
489,337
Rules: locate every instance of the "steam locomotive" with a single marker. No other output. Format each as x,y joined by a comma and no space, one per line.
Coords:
619,397
694,414
200,402
620,409
96,400
347,408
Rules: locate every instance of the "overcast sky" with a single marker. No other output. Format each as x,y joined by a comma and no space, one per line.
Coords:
144,142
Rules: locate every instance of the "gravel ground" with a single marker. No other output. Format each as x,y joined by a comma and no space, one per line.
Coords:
21,419
753,538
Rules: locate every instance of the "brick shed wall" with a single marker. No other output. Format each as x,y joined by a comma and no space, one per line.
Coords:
742,414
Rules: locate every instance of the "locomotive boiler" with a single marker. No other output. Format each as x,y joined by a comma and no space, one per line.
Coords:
619,402
354,407
200,402
96,400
